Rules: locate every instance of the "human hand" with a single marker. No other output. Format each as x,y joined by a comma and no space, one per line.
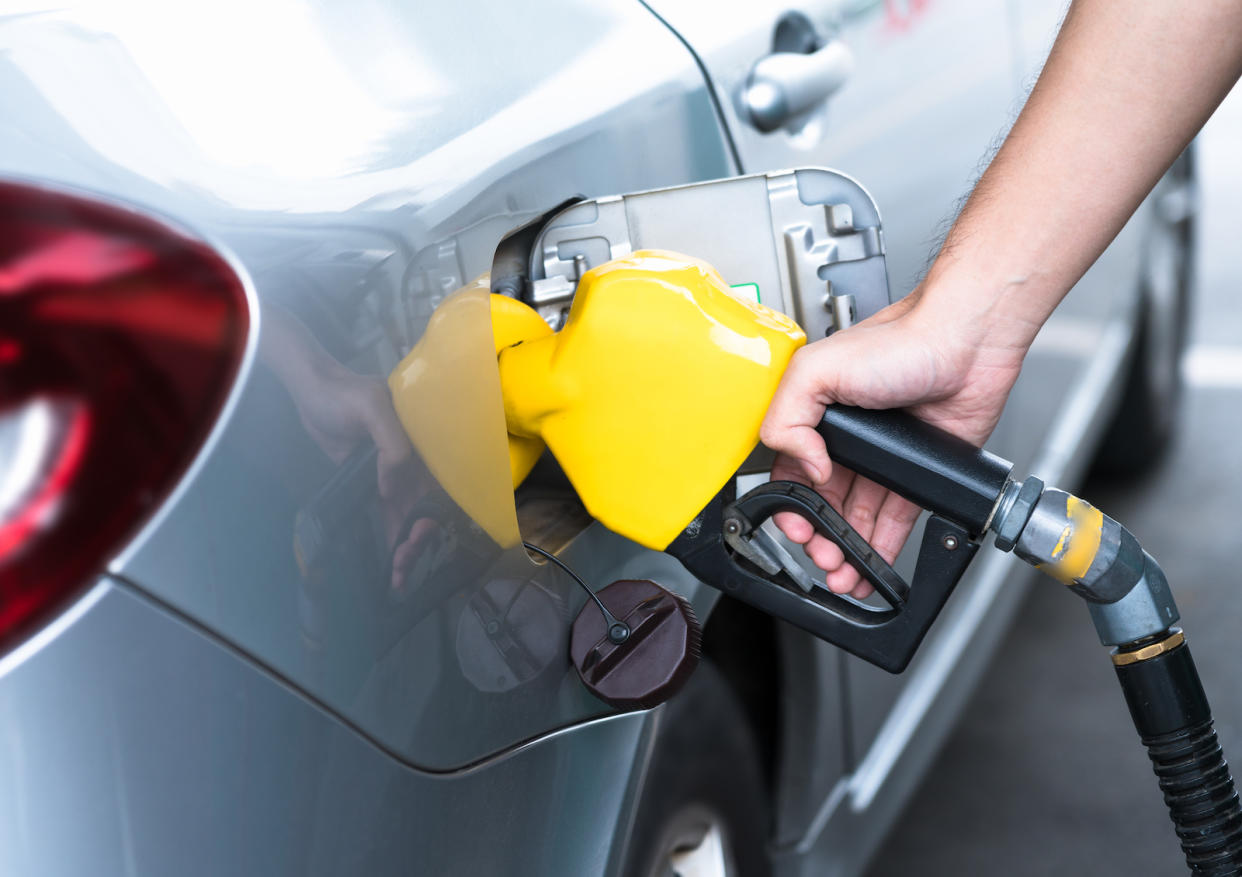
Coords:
956,377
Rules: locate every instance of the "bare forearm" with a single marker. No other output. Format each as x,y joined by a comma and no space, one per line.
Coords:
289,349
1125,89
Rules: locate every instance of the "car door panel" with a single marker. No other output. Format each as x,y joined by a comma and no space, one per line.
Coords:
928,92
933,87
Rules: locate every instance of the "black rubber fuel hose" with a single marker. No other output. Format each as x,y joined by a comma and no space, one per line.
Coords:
1171,713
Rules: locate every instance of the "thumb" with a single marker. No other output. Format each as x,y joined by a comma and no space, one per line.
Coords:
796,409
805,446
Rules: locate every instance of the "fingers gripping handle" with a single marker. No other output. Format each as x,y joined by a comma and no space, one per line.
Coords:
928,466
886,637
782,496
939,471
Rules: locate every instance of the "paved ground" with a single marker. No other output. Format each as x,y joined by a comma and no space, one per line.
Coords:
1045,775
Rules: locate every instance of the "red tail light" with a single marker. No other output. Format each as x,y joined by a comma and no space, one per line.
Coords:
119,339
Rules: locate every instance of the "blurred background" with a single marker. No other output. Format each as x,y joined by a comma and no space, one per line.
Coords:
1040,775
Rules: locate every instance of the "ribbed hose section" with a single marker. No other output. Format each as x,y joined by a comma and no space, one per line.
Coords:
1202,801
1172,715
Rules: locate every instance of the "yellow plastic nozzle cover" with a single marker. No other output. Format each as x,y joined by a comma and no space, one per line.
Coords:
446,394
651,395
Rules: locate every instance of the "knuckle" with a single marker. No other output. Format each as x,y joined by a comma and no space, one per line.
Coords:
862,515
801,368
799,357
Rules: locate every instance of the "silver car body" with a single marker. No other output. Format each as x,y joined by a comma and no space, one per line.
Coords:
202,707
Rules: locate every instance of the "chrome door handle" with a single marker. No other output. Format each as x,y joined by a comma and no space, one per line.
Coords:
785,85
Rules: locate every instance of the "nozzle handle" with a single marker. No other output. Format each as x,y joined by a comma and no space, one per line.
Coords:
928,466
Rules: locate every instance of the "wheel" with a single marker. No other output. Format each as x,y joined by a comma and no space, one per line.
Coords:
1145,422
704,808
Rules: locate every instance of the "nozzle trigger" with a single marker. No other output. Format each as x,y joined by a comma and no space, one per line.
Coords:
787,496
720,548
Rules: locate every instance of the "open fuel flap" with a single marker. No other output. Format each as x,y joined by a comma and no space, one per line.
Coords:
805,242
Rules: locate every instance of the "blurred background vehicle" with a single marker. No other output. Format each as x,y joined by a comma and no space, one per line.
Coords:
1045,721
243,630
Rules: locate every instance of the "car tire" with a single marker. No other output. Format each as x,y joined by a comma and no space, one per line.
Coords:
704,805
1143,427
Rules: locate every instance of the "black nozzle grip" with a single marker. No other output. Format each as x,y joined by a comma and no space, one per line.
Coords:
925,464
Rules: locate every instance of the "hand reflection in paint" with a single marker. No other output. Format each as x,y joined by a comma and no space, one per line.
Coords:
350,416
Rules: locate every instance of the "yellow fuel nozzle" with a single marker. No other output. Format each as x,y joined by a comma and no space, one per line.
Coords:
651,395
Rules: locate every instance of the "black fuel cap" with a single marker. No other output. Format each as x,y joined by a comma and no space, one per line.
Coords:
652,660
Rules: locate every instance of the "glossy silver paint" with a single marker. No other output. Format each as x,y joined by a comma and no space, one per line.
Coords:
135,743
360,161
210,707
